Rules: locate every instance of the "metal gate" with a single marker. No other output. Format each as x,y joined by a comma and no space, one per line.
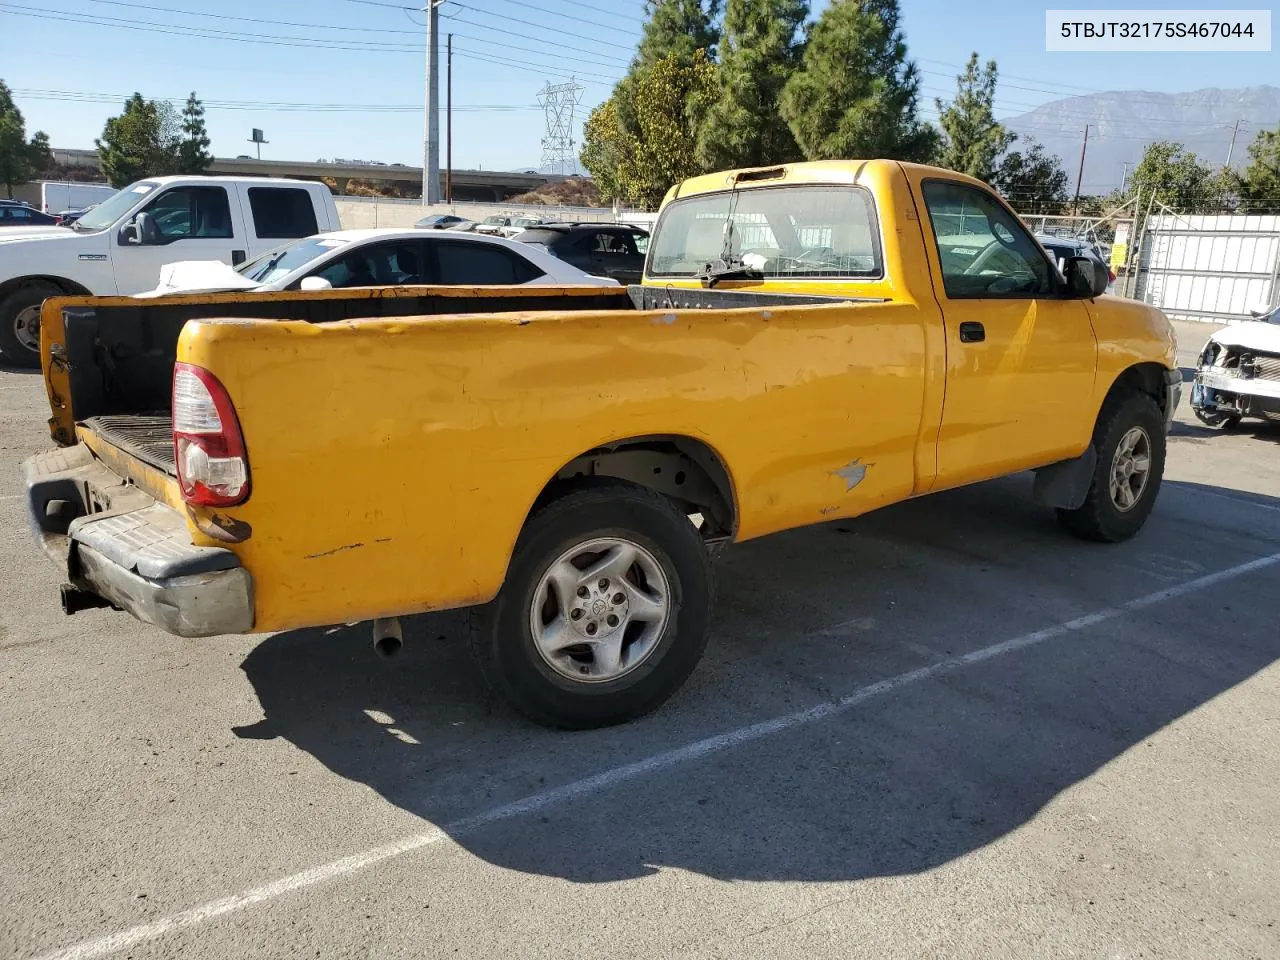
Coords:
1209,268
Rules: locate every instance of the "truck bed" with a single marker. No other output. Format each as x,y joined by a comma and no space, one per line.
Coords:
119,351
145,436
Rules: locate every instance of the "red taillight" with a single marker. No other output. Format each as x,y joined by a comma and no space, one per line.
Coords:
208,447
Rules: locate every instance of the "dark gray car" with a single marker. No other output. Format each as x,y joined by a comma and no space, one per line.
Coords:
601,249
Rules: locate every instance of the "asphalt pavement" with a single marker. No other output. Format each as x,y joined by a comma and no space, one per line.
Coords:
944,730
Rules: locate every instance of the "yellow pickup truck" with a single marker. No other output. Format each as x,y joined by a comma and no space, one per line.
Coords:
810,342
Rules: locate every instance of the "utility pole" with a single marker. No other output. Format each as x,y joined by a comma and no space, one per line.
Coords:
1075,206
431,134
1232,149
448,121
1124,176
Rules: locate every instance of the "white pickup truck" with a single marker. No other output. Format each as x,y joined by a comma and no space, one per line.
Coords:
120,245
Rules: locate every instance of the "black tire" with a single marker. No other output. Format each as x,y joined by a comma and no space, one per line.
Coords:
11,308
502,638
1216,421
1099,518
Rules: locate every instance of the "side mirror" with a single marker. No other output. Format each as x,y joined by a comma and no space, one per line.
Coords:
315,283
129,235
1084,280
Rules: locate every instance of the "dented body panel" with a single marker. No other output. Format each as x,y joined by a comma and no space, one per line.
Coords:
395,455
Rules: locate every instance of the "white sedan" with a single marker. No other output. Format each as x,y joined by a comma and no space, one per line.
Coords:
379,258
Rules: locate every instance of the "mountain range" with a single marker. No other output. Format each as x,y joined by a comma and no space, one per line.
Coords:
1122,123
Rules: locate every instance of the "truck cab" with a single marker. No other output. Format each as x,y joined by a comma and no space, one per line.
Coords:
120,245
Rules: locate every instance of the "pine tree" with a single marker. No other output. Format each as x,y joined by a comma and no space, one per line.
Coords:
143,141
677,27
1259,185
678,33
856,93
759,50
1031,179
972,140
193,152
20,159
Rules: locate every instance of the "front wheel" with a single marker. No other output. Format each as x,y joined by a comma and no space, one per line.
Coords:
20,324
604,612
1129,441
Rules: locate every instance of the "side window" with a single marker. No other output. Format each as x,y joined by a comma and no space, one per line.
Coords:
282,213
383,265
20,214
481,264
190,213
641,240
985,251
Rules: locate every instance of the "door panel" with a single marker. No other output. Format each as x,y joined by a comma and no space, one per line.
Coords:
187,223
1021,356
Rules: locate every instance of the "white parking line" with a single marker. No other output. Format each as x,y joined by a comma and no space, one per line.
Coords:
102,946
1226,496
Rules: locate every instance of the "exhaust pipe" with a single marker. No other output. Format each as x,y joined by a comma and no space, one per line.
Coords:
74,599
388,638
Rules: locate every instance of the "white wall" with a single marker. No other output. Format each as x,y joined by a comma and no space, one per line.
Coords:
362,212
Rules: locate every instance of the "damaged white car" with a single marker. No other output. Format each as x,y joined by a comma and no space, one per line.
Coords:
1239,373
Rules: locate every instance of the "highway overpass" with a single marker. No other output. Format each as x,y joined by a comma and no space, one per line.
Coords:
473,185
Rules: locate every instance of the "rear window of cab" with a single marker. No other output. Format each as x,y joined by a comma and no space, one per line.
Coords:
785,231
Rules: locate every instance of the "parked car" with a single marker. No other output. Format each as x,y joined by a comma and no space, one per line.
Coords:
67,217
384,257
1238,374
15,214
602,249
440,221
1063,249
120,245
493,225
519,225
810,343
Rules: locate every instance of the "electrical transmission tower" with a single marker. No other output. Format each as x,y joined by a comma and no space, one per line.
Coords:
558,102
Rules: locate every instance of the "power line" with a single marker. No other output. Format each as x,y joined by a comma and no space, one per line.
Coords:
540,69
546,43
577,18
345,28
78,96
538,26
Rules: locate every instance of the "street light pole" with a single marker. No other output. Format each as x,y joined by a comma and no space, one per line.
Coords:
448,121
431,123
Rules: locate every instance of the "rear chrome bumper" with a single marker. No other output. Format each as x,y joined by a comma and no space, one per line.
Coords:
114,541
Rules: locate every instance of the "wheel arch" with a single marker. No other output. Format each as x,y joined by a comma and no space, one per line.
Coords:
1146,377
687,469
65,287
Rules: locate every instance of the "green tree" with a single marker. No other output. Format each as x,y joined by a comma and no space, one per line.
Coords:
193,151
677,27
143,141
759,50
1031,179
972,140
1261,178
20,159
1172,175
638,168
856,94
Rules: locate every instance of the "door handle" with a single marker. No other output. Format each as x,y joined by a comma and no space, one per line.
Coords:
972,333
237,257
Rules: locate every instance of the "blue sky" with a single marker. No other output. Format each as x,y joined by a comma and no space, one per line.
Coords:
71,63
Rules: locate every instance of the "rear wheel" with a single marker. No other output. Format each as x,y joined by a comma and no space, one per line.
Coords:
604,612
1129,441
20,324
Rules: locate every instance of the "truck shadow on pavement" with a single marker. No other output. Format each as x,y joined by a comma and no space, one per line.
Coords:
900,784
